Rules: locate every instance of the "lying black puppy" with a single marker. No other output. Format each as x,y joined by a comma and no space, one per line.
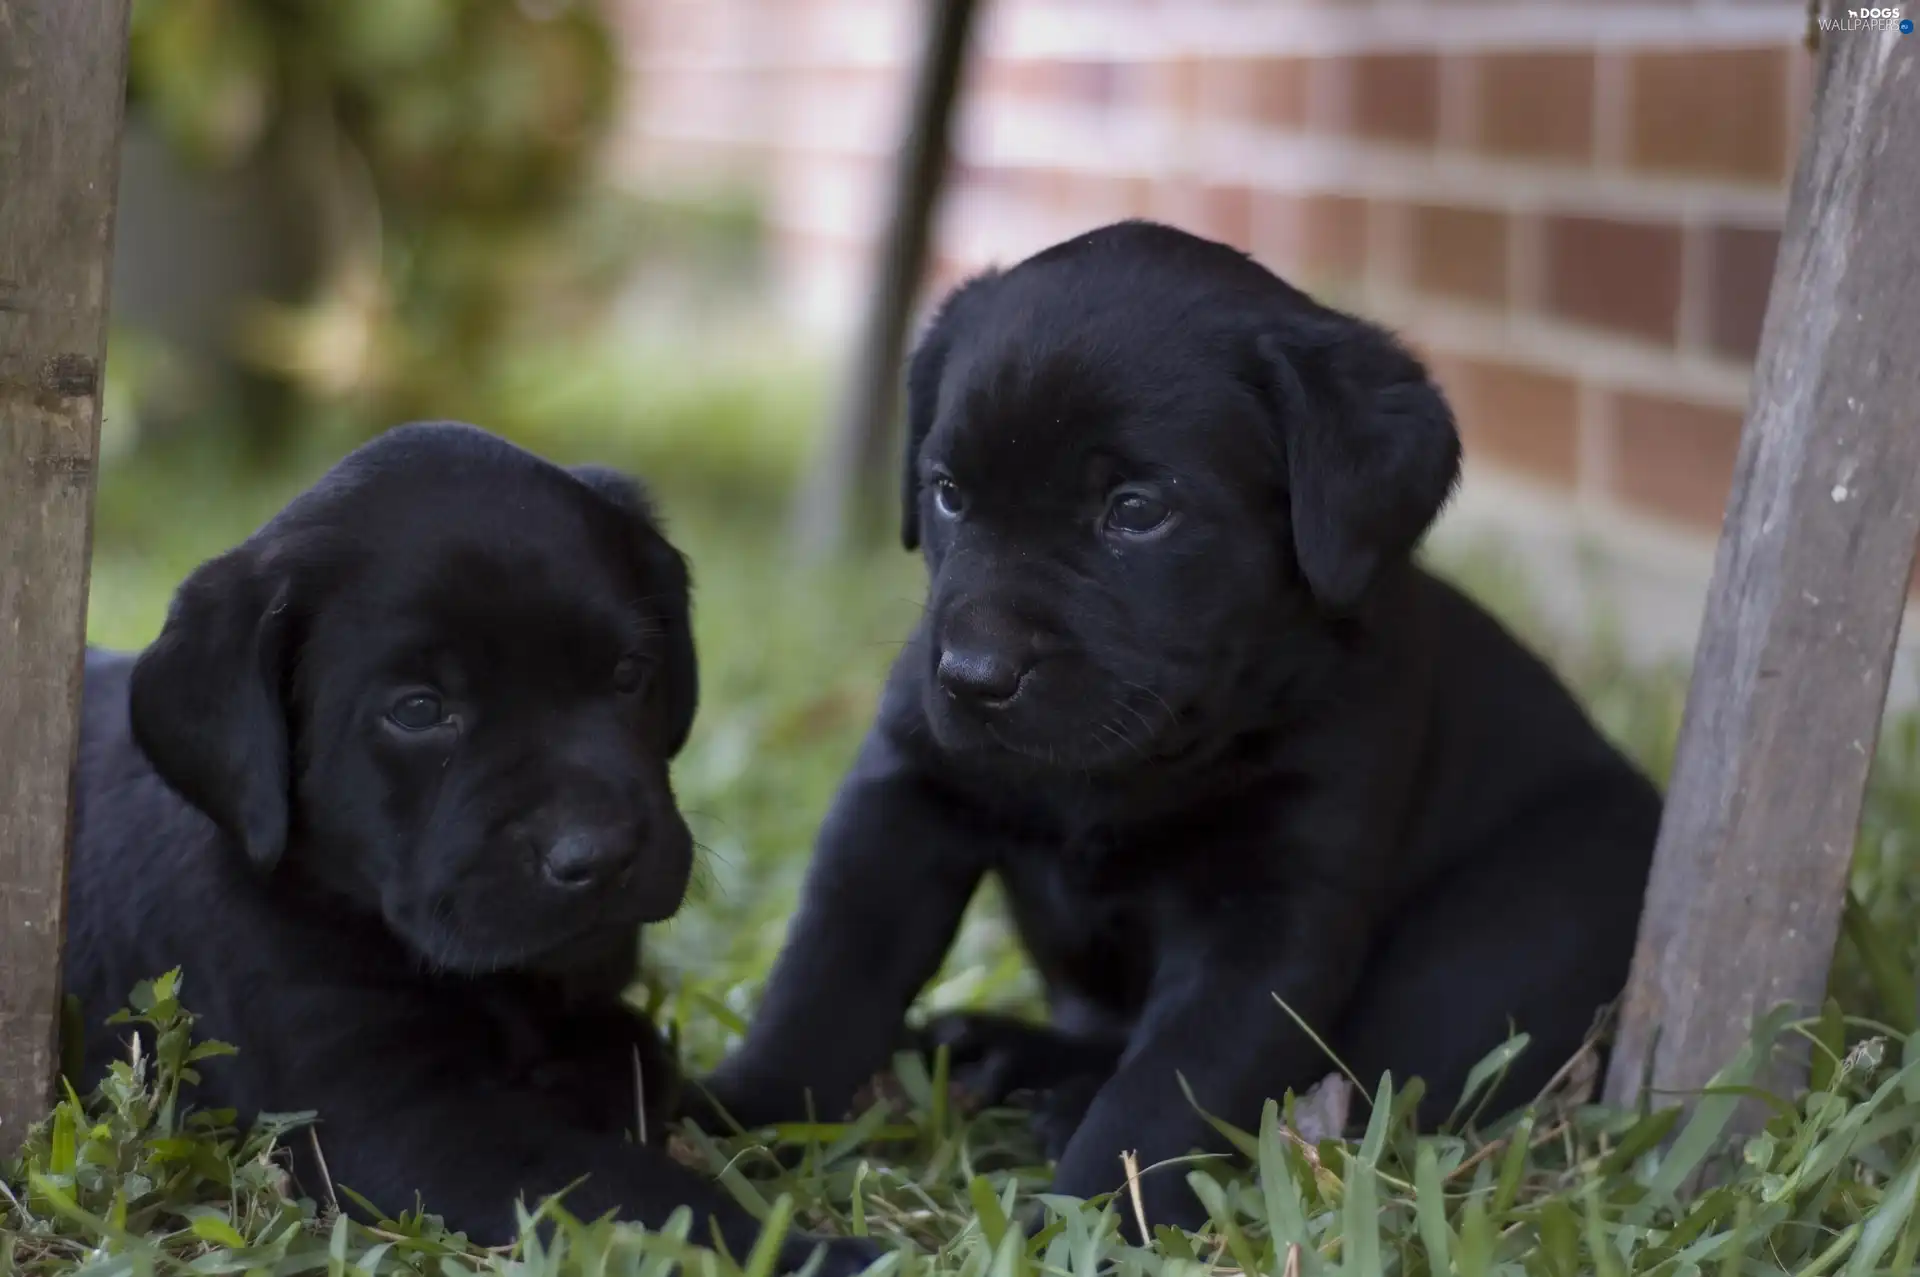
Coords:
391,786
1180,687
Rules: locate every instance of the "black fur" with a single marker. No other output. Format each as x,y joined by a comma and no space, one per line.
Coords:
1245,753
421,932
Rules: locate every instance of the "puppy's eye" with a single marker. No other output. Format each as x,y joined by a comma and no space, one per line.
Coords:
1137,512
947,497
630,675
417,712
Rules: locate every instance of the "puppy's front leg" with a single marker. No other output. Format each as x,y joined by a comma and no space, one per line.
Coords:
467,1153
1212,1018
893,870
402,1120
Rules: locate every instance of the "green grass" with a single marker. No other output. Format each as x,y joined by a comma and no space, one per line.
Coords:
128,1181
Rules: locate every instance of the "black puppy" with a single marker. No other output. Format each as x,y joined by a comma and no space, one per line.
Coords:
1180,687
391,786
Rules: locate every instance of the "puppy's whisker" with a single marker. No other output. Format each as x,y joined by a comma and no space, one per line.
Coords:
1159,700
705,818
708,856
1126,741
703,883
1108,729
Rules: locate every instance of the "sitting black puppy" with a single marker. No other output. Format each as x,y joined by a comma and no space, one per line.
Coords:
391,786
1179,685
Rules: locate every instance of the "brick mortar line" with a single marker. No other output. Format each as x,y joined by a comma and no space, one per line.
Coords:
1388,255
1527,340
1279,162
1639,541
1237,31
1543,344
1582,566
1693,326
875,36
1302,161
1490,490
1594,442
1461,109
1526,261
1612,97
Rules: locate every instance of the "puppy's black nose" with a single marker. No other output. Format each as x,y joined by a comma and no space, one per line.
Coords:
983,679
581,860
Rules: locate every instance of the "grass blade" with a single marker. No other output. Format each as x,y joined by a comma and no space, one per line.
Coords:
1712,1113
1829,1045
1286,1215
1885,965
1885,1224
1360,1220
1430,1209
986,1208
773,1234
1491,1066
1378,1121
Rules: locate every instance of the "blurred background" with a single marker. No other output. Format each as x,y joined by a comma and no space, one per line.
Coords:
648,232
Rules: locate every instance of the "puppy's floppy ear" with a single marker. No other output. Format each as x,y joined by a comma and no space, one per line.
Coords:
924,370
1371,449
207,699
672,587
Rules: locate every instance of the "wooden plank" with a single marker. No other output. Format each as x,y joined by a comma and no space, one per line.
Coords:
1791,675
62,90
844,487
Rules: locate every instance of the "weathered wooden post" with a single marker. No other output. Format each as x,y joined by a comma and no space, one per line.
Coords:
852,468
62,91
1790,680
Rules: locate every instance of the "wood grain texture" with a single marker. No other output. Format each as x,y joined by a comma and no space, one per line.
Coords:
62,90
844,489
1791,674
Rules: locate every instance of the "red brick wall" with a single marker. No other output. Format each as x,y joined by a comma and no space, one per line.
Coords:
1572,208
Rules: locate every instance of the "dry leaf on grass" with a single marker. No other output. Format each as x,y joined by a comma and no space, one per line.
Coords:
1321,1114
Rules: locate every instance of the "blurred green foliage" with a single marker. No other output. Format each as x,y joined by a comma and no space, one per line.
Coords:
435,161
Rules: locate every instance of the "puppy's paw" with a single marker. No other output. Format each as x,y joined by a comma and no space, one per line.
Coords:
986,1054
1059,1111
710,1110
839,1256
993,1056
1030,1217
724,1104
